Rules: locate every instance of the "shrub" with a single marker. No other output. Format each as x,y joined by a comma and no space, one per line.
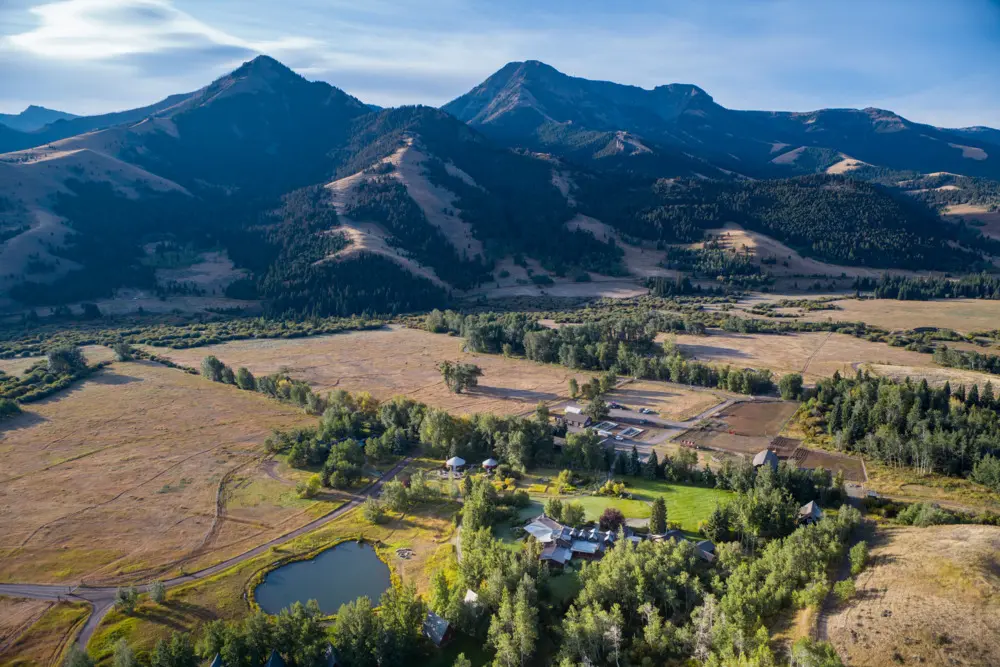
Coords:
8,409
573,515
374,512
844,590
925,514
157,592
126,599
859,557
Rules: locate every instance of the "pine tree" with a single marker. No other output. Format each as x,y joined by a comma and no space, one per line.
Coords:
650,468
658,517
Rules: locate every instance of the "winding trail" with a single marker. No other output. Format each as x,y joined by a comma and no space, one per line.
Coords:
102,598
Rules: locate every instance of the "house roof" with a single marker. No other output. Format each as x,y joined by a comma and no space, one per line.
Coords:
573,418
551,524
539,532
471,596
556,553
673,535
217,661
585,547
706,556
810,511
765,456
435,628
706,545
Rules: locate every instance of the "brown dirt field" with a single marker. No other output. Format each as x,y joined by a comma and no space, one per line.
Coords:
757,419
736,444
93,353
813,458
962,315
929,597
669,401
396,361
117,477
814,355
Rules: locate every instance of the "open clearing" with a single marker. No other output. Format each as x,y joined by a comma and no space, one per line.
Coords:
988,222
930,597
962,315
117,478
395,361
668,401
816,355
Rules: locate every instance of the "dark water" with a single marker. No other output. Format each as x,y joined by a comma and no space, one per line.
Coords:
337,575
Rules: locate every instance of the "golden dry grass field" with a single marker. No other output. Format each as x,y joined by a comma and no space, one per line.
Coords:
931,596
962,315
16,616
18,366
119,477
395,361
815,355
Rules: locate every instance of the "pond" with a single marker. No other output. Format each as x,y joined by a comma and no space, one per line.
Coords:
335,576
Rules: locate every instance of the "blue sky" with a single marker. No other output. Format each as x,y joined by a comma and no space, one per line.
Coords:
935,61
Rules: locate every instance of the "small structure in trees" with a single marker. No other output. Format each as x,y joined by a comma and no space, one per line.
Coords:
766,457
490,464
437,629
455,463
810,513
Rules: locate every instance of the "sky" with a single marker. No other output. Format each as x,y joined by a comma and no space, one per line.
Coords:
933,61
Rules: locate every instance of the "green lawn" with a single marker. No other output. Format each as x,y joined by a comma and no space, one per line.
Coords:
686,504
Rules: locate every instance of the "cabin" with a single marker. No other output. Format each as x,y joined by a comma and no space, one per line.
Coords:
766,457
574,419
810,513
437,629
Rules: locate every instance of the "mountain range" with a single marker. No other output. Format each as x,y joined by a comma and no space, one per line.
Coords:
315,202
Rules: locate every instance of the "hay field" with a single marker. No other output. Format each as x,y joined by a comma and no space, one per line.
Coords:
18,366
931,596
117,478
815,355
395,361
962,315
17,615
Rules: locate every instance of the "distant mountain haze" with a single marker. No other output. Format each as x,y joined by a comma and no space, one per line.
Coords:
33,118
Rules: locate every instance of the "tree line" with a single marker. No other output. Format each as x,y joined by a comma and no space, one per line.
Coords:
974,286
932,429
624,345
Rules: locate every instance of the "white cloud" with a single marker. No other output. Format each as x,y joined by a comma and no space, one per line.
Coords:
107,29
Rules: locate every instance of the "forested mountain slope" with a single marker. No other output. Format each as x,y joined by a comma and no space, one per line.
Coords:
324,205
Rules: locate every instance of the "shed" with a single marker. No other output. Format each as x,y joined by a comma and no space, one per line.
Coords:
437,629
471,597
706,545
275,660
810,512
765,457
217,661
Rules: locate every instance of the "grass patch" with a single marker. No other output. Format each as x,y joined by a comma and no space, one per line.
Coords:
48,639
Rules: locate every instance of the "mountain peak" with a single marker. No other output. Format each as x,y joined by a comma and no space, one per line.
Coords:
265,67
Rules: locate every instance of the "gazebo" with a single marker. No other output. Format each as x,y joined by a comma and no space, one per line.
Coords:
490,463
455,463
